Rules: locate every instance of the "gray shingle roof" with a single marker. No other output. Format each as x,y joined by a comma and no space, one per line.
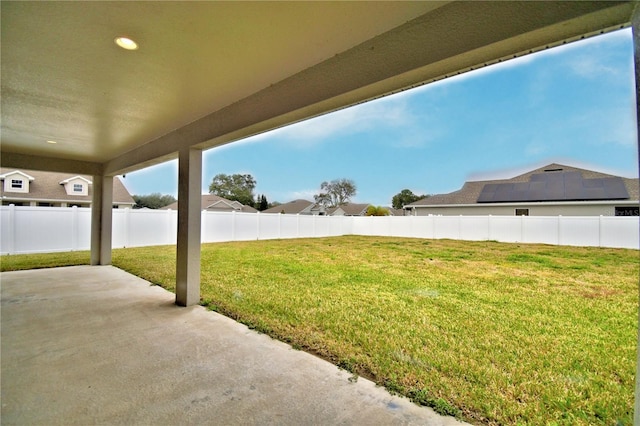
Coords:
353,209
470,191
292,207
46,187
215,203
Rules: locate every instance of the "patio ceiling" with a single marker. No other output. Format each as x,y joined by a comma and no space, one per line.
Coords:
209,73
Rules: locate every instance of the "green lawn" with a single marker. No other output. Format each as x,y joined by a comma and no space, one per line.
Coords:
493,333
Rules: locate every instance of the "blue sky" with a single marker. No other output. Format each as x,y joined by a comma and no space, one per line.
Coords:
574,104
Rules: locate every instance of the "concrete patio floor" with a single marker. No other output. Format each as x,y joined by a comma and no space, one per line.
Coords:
96,345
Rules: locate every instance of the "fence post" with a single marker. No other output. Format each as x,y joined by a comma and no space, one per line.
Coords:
522,219
257,225
74,228
600,231
233,225
279,226
127,227
12,229
489,228
297,225
559,228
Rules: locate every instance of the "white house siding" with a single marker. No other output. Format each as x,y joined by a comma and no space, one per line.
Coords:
568,209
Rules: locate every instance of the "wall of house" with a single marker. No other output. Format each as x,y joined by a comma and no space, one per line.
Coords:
534,210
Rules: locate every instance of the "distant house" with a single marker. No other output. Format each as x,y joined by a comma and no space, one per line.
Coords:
215,203
552,190
396,212
48,189
349,209
293,207
310,208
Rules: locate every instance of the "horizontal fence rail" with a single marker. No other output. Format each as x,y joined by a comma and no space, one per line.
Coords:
51,229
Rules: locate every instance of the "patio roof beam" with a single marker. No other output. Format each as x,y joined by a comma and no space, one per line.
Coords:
50,164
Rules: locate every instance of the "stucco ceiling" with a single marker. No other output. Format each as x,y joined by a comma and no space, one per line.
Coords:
207,73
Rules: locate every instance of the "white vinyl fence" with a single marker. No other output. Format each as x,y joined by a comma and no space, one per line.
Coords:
50,229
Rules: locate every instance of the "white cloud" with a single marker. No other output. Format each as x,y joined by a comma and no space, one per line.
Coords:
392,112
353,120
535,148
306,194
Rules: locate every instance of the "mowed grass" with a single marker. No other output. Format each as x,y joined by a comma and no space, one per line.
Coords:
492,333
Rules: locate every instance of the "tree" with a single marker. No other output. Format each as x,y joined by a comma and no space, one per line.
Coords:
405,197
377,211
336,192
153,201
263,204
235,187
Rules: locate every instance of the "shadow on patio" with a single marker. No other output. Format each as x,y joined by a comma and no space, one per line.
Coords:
95,345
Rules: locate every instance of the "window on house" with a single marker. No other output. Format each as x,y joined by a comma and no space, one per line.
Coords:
45,205
16,183
77,187
628,211
522,212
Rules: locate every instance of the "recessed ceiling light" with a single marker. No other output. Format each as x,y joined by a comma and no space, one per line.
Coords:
52,142
126,43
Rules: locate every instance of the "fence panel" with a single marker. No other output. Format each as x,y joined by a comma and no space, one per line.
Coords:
446,227
32,234
270,226
579,231
400,226
139,228
507,229
246,226
620,232
361,227
474,228
540,229
48,229
289,224
217,227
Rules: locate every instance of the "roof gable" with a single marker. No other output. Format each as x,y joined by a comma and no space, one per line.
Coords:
17,172
352,209
292,207
71,179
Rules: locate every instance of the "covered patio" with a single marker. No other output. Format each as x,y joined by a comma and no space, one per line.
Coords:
206,74
95,345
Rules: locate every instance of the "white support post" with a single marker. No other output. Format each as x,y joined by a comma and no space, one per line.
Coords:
189,227
101,220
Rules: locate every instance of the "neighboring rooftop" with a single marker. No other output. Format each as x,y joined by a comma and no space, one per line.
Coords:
349,209
292,207
541,184
215,203
49,186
